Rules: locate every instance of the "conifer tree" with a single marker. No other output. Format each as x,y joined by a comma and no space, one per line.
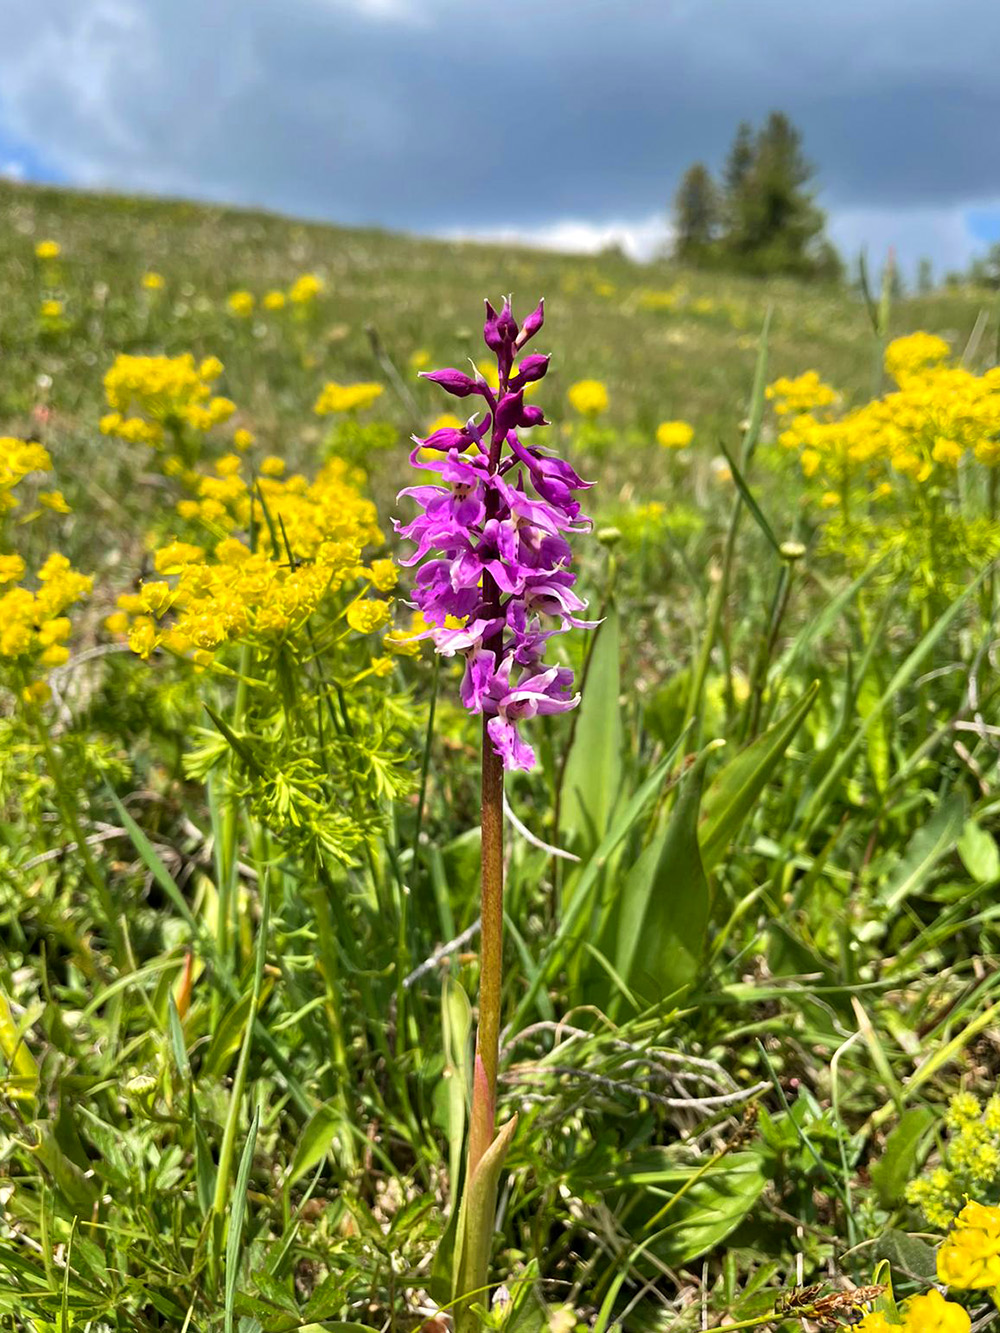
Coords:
696,214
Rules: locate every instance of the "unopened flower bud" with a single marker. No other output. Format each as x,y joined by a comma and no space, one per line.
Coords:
532,324
453,381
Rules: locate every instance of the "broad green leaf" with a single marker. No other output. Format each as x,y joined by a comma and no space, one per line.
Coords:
74,1186
317,1137
456,1027
269,1317
979,853
229,1036
327,1298
907,1255
926,848
21,1080
664,906
897,1164
592,780
735,788
476,1221
709,1209
272,1290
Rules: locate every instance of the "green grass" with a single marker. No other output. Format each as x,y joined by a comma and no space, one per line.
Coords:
265,1134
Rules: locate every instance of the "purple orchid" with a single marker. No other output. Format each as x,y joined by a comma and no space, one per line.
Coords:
493,553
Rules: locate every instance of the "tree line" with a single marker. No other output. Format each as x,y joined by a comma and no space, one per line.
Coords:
761,216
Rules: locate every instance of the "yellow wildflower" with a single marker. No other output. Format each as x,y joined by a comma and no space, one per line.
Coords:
48,250
383,574
153,282
274,300
240,303
54,500
367,616
875,1321
804,393
149,394
969,1257
947,452
346,397
906,357
172,558
931,1313
588,397
674,434
11,568
305,289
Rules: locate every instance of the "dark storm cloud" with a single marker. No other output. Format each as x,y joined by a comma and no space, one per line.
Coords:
433,114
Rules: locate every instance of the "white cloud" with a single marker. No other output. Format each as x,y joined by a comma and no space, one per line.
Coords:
941,233
640,238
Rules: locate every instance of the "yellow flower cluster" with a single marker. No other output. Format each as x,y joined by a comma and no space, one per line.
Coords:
939,414
48,250
18,458
309,544
345,398
804,393
908,358
240,303
305,289
674,434
153,282
150,395
969,1257
970,1160
33,628
660,300
302,293
588,397
926,1313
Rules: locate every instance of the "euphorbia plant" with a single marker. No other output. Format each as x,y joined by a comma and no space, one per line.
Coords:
494,583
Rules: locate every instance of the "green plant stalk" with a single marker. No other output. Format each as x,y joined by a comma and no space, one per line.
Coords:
403,927
765,651
231,820
486,1150
222,1181
717,600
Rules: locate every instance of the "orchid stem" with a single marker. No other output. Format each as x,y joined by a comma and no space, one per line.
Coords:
482,1124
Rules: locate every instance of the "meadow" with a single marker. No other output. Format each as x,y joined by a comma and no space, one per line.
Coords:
745,1007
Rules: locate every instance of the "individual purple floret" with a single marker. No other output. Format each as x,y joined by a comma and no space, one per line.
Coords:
491,544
